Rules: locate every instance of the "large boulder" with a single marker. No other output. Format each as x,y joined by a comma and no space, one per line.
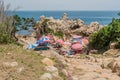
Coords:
113,45
10,64
112,52
114,65
94,27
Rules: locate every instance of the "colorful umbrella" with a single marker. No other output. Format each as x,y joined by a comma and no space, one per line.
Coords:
85,41
60,41
67,43
77,46
43,40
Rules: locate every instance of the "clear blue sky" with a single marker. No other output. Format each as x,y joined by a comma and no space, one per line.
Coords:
64,4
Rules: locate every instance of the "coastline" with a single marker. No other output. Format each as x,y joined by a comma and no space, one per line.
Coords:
103,17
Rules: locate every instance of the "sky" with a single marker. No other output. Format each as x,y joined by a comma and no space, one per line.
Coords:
35,5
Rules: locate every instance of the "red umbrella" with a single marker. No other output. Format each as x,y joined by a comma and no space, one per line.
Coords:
77,46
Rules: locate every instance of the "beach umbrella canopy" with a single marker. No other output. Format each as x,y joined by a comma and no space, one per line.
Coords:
77,46
85,41
60,41
67,43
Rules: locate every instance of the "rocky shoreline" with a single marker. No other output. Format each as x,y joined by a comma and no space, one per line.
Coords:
67,26
79,66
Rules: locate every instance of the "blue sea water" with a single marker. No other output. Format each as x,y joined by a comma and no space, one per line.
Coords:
103,17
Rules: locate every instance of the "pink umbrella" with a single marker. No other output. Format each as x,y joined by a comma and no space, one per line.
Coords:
67,43
60,41
85,41
76,46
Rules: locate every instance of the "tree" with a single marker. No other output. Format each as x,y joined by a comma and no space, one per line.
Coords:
23,23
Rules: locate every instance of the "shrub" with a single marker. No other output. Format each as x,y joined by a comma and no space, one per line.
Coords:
7,30
107,35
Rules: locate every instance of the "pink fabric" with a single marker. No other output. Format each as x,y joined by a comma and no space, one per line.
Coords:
60,41
85,41
77,46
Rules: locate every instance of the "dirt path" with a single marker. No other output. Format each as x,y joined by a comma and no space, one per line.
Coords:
83,67
89,69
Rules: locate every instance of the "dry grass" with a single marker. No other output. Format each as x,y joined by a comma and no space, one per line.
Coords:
29,60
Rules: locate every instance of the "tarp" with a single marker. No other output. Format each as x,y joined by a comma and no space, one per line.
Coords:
31,46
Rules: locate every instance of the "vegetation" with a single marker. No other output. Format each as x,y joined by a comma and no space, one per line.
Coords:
44,29
111,33
9,25
29,61
119,13
23,23
7,30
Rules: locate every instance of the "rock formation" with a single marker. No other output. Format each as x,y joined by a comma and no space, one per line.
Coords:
66,25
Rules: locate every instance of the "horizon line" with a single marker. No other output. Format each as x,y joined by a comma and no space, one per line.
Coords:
67,10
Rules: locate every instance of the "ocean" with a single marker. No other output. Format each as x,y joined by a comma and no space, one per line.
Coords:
103,17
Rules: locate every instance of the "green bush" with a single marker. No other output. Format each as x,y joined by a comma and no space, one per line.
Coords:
7,29
9,25
107,35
